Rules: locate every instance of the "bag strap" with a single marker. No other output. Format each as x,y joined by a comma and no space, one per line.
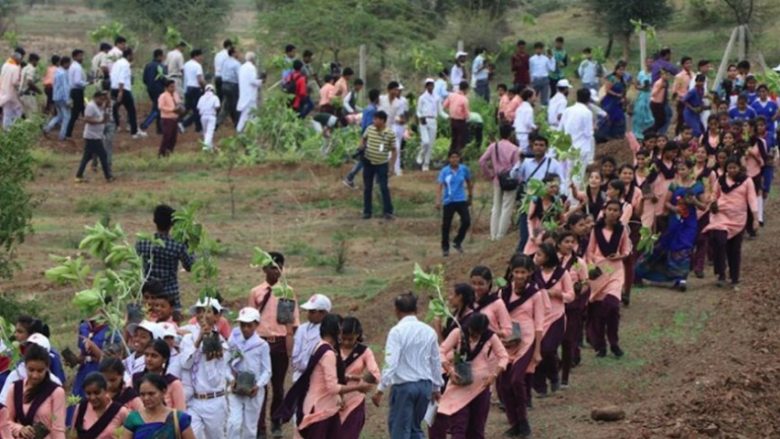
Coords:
176,427
495,159
537,169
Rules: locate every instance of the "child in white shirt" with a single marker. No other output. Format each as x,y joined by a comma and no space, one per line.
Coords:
208,104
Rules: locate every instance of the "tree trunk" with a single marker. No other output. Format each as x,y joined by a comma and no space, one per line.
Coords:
626,45
608,50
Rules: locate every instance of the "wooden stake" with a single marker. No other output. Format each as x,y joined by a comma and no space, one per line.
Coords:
724,62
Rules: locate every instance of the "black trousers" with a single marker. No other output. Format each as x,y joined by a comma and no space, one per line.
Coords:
94,147
129,104
77,96
460,131
726,250
229,102
191,97
462,209
659,116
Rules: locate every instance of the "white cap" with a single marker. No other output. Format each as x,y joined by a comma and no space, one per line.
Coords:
40,340
563,83
152,327
429,81
461,53
317,302
248,315
209,87
168,329
400,86
205,303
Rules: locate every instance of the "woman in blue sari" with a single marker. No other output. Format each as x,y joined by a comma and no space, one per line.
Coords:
670,260
155,420
613,103
642,118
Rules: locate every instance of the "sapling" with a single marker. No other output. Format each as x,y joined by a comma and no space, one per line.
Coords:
282,290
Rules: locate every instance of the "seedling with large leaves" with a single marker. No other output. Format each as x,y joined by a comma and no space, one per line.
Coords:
261,258
647,240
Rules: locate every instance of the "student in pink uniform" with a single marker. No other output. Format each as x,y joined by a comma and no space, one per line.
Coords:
575,310
733,198
609,245
551,207
578,223
660,178
592,200
463,408
113,370
316,397
755,158
158,355
488,301
556,281
641,174
525,302
97,416
36,399
632,196
461,303
706,174
5,426
359,364
615,190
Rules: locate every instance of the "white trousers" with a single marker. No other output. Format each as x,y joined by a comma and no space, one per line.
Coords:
246,114
399,131
501,212
244,413
523,143
209,125
427,139
208,417
11,112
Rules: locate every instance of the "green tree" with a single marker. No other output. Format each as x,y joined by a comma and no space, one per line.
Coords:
16,205
197,20
615,17
8,9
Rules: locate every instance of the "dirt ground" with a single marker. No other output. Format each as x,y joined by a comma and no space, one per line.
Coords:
701,363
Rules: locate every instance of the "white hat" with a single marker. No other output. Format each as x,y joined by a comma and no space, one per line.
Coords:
209,87
429,81
168,329
400,86
206,302
40,340
248,315
563,83
317,302
152,327
461,53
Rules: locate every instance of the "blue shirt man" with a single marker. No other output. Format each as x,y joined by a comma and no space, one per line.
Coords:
742,112
454,182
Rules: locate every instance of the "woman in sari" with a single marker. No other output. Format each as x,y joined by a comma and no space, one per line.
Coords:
643,117
614,125
155,420
671,258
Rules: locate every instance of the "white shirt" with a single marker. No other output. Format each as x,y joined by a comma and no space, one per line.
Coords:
219,58
192,69
411,355
248,85
577,121
456,75
206,376
531,169
174,364
541,66
524,119
251,354
112,57
120,74
555,109
17,374
10,78
478,69
692,83
588,71
393,109
97,62
440,90
428,106
76,75
134,364
347,107
305,341
174,61
208,104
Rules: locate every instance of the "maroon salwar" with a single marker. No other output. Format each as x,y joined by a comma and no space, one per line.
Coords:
170,130
548,369
353,425
467,423
604,319
570,346
702,245
513,391
726,250
459,129
280,361
630,261
325,429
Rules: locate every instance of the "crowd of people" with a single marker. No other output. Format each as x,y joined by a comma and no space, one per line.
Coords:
698,190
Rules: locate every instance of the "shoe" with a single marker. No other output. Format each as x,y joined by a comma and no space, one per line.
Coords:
512,432
626,301
760,224
555,386
348,183
139,135
262,435
602,353
458,247
576,361
111,179
389,217
445,253
425,169
617,351
681,286
419,158
181,128
366,216
542,395
276,431
699,274
523,429
720,283
564,385
399,173
80,180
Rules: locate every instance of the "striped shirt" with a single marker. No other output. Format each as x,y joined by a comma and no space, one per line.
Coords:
379,145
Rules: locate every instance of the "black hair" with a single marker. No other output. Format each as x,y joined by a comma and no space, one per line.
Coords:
33,352
626,166
702,63
289,48
76,52
552,176
478,50
163,217
111,364
104,47
358,81
154,287
700,78
65,60
127,52
501,86
649,134
347,71
162,348
562,234
550,253
538,45
643,151
55,60
331,327
156,380
541,139
95,378
33,57
760,87
373,95
483,272
685,59
583,96
327,78
297,65
574,218
587,50
466,292
381,115
463,86
744,65
157,53
168,82
406,303
618,186
307,53
167,297
526,94
732,160
505,131
519,260
195,52
392,85
521,42
227,44
119,40
351,325
478,323
665,52
671,146
615,202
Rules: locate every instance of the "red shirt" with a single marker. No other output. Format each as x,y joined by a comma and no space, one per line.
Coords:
301,90
520,68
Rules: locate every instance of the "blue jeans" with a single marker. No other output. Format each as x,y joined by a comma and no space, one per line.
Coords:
305,108
62,118
355,169
522,224
380,172
154,114
408,403
483,89
541,87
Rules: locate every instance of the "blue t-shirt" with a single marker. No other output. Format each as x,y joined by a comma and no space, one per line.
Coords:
368,117
454,182
742,116
768,111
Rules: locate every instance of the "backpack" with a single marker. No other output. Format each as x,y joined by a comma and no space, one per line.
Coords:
289,83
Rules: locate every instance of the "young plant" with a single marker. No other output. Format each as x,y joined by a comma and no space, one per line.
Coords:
261,258
647,240
188,230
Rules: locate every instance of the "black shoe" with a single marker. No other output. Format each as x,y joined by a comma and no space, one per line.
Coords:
366,216
261,434
617,351
276,431
530,404
389,217
555,386
523,429
626,301
564,384
512,432
445,253
458,247
602,353
576,361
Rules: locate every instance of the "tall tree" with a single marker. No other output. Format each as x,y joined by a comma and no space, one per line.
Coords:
8,9
615,16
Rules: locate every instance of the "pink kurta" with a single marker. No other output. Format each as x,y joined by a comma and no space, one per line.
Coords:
578,271
558,306
648,208
530,315
90,418
612,277
352,400
327,93
733,207
268,327
174,396
498,318
753,161
660,188
322,400
51,413
491,360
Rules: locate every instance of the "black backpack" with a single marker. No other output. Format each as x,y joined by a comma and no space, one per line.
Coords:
289,84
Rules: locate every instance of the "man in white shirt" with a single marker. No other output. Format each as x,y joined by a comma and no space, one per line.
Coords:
174,62
577,122
248,87
28,86
219,59
540,66
78,80
10,79
480,74
428,108
307,336
524,121
122,91
457,74
208,106
558,103
395,108
193,89
98,67
412,369
588,70
116,52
